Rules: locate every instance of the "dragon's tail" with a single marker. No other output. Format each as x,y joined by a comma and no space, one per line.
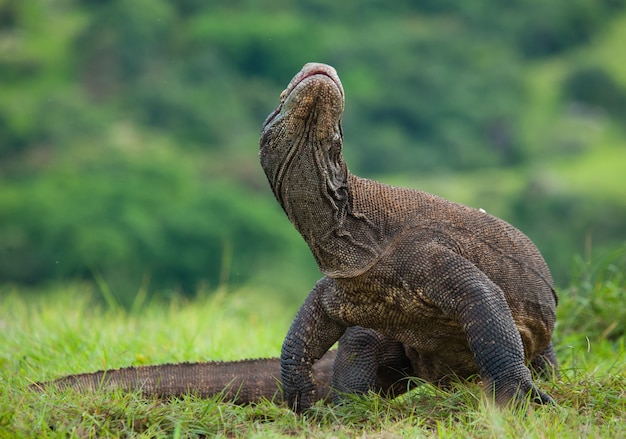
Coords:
243,381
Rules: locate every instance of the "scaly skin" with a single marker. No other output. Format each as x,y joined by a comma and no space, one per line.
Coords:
452,289
243,382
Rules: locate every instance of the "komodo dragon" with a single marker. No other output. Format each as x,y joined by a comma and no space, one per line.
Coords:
371,240
452,289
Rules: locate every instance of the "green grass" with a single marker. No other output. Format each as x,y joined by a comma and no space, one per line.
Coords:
68,330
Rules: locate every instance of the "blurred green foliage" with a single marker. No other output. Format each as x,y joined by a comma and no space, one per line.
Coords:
129,220
594,306
128,130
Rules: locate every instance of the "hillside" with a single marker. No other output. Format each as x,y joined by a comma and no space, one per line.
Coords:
129,130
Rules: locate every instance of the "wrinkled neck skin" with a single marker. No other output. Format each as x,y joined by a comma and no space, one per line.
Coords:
300,152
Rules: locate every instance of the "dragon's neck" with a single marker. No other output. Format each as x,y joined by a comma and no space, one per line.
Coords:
314,191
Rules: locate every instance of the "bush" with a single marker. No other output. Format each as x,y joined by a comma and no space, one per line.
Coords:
593,86
127,220
594,306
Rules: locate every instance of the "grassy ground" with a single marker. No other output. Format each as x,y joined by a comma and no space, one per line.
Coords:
68,331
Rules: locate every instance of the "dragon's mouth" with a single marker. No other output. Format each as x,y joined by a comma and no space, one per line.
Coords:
310,73
309,70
